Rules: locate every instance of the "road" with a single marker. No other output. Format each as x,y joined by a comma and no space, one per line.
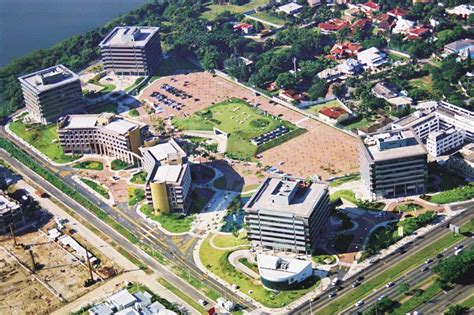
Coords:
147,234
412,278
377,268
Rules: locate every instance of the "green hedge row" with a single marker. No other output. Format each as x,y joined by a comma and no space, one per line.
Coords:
280,140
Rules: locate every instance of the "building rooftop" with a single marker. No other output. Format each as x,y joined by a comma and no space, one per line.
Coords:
289,8
106,121
122,299
48,78
414,119
393,144
163,151
129,36
7,204
275,268
289,196
333,112
466,153
169,173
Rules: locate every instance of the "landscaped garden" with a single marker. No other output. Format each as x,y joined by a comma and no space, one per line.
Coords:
230,240
321,257
343,180
408,207
139,178
43,138
242,121
174,222
118,165
218,263
135,195
104,192
453,195
90,165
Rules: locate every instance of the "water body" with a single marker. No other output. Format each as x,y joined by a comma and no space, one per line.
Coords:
26,25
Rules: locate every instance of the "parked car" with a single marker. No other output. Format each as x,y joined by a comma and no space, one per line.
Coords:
390,284
359,304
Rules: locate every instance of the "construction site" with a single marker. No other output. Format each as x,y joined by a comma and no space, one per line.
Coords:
42,269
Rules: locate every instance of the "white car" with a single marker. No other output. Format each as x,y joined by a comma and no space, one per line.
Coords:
390,284
360,303
381,297
202,302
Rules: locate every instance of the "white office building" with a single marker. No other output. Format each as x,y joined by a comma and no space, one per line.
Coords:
422,123
439,142
287,214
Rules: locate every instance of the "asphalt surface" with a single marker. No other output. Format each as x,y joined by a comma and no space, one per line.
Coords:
412,278
147,234
377,268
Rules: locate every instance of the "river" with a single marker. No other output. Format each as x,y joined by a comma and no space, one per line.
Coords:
26,25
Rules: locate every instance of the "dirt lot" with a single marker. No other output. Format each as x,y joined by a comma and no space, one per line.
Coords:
322,151
19,292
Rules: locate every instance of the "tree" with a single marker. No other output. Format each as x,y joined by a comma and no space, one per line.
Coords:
455,309
404,288
452,269
318,89
287,80
237,68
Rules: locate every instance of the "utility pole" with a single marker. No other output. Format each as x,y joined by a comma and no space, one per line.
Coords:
33,261
89,265
13,234
294,64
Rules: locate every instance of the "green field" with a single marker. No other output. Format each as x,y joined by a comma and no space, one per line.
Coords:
229,240
316,108
174,222
415,301
43,138
90,165
104,192
269,17
217,262
237,118
453,195
389,274
135,195
118,165
213,10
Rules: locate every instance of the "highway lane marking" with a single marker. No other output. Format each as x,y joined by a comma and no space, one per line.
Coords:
148,232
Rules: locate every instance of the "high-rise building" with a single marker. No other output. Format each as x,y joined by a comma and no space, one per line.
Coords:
132,50
287,214
51,93
168,182
105,134
392,163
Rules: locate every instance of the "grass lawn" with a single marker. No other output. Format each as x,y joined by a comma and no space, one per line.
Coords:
172,65
211,11
457,194
182,295
107,88
131,87
238,118
316,108
358,124
118,165
135,195
346,194
43,138
244,261
343,180
229,240
417,300
469,302
408,207
389,274
423,83
468,227
104,192
139,178
105,107
133,112
397,57
269,17
220,183
324,259
174,222
90,165
217,262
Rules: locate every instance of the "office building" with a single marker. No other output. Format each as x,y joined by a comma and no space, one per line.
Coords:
450,115
169,177
278,273
462,162
422,122
105,134
51,93
10,213
392,164
132,50
440,142
287,214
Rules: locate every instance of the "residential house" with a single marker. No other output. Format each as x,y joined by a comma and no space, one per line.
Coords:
313,3
290,8
398,13
400,102
362,24
345,50
244,28
462,47
463,11
330,74
350,67
402,26
333,115
351,14
290,95
333,26
385,91
372,58
370,8
385,22
418,32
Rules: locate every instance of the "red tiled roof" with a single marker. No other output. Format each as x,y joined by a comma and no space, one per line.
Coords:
243,25
348,48
374,6
362,23
333,25
419,31
399,12
332,112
